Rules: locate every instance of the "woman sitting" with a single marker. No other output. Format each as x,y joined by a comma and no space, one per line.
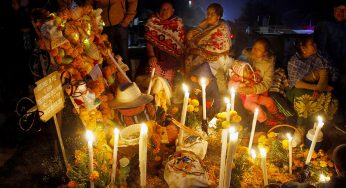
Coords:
165,36
308,74
262,61
210,42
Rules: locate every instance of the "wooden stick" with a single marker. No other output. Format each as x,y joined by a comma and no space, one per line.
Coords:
188,130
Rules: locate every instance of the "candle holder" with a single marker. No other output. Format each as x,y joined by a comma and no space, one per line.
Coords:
205,126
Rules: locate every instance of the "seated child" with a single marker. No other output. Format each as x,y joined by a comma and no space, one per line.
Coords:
242,74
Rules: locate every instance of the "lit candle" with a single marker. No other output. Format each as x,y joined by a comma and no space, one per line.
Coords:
115,155
143,141
255,115
203,83
264,166
228,108
232,98
314,140
151,80
223,157
323,178
183,114
253,155
289,138
232,147
90,137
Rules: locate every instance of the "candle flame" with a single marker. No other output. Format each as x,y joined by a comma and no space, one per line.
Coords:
203,81
253,154
227,101
256,111
289,137
233,136
231,130
116,131
185,88
144,128
263,152
320,121
90,136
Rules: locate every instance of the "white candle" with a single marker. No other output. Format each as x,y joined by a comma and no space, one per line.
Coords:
183,114
255,115
228,108
264,166
143,141
232,147
253,155
203,83
151,80
90,137
314,140
223,157
115,155
289,138
232,98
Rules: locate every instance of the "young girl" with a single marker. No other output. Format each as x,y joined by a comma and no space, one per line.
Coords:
261,59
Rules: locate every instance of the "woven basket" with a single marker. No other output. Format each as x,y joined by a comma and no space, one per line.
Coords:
289,126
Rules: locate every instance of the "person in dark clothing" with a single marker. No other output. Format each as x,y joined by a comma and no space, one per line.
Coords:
339,156
330,37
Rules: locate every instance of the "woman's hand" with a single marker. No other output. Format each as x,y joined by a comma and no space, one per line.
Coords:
152,60
192,33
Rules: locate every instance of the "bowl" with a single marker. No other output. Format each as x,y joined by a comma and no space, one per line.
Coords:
130,134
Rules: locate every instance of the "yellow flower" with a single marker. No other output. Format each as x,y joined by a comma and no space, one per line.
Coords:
323,164
271,135
285,144
239,128
190,108
94,176
174,110
262,139
195,102
225,124
236,118
221,115
196,109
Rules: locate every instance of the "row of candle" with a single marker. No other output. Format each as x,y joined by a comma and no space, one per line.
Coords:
203,83
143,141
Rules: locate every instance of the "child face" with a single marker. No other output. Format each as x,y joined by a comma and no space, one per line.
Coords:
258,50
309,49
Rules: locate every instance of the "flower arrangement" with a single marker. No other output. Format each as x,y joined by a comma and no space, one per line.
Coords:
193,114
320,163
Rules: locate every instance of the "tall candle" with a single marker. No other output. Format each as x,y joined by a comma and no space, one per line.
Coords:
228,109
203,83
232,147
264,166
90,137
253,155
289,138
255,115
115,155
314,140
232,98
183,114
151,80
223,157
143,141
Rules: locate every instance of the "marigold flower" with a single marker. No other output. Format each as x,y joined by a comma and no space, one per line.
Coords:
323,164
190,108
195,102
94,176
72,184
